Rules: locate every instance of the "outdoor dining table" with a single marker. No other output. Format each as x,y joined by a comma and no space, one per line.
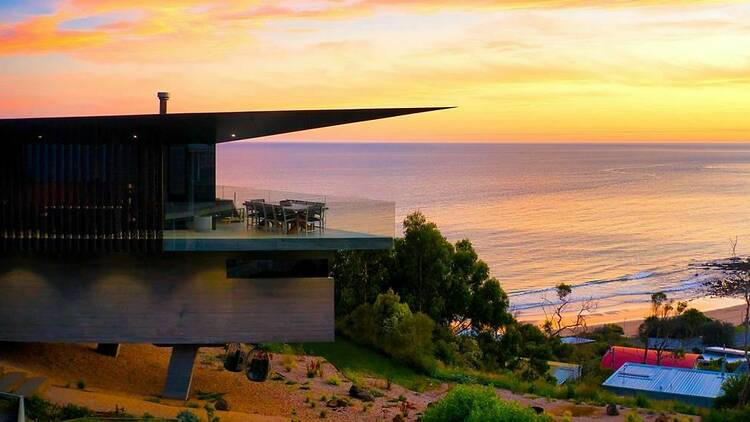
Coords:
296,208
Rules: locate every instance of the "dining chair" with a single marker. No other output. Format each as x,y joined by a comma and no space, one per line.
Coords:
269,215
317,216
287,218
253,212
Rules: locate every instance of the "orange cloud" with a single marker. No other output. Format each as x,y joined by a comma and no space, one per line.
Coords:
519,69
41,34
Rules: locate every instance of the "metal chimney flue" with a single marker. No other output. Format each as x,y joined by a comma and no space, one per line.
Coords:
163,98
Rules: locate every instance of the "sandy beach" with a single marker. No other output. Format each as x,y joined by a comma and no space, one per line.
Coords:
629,318
734,314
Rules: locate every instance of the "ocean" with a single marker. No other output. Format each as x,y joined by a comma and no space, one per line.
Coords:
618,222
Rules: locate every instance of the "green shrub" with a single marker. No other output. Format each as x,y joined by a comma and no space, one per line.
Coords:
39,409
360,326
642,401
728,415
187,416
478,404
633,416
731,390
391,327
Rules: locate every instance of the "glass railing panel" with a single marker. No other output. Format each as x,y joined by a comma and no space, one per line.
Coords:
242,213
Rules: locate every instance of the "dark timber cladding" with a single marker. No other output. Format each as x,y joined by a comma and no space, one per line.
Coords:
96,184
80,196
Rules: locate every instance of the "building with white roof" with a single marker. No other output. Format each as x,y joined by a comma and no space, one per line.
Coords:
693,386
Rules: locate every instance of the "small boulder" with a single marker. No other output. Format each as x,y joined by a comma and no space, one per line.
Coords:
336,403
612,409
360,393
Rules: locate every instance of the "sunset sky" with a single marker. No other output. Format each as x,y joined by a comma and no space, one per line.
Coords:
518,70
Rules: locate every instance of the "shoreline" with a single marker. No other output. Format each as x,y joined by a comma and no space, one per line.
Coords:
629,319
733,314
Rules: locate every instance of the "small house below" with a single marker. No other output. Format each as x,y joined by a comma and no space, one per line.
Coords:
692,386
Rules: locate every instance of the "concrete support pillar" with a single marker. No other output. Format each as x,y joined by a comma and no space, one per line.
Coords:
180,371
108,349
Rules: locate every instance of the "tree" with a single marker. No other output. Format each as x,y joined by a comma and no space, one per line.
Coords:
360,276
662,325
474,300
422,262
489,307
736,284
554,318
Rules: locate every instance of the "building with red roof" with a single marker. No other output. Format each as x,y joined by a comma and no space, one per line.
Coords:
617,356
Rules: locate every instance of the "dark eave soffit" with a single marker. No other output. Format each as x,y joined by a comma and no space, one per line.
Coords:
187,127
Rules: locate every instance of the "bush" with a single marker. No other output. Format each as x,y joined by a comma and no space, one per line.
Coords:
39,409
391,327
642,401
728,415
187,416
731,390
607,333
360,326
633,416
478,404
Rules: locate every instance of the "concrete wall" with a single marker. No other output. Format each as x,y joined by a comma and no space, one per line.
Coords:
180,298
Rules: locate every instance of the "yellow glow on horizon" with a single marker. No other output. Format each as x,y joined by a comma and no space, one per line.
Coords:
520,70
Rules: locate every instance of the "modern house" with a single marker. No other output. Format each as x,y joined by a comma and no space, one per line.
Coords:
693,386
112,230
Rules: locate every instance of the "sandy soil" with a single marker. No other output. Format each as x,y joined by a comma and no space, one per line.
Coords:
134,381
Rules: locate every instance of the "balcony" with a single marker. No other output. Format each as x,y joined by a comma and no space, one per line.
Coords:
247,219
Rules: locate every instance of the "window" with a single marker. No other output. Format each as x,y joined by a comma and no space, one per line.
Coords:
276,268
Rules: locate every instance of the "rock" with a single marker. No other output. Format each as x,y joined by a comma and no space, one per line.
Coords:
360,393
399,418
336,403
663,418
221,404
612,410
539,410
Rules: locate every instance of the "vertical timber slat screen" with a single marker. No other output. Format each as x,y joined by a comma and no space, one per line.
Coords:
79,196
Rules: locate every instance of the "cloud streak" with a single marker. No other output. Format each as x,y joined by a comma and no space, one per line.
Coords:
518,69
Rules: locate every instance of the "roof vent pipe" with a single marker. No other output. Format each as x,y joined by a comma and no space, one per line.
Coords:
163,98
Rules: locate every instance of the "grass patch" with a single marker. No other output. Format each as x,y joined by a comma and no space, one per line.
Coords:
355,361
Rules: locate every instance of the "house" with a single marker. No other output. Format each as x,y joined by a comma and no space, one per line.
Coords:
692,386
112,230
729,355
572,340
564,372
617,356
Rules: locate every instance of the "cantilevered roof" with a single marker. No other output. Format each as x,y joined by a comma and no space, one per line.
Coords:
187,127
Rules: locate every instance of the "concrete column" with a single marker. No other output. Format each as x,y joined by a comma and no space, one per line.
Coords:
108,349
180,371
